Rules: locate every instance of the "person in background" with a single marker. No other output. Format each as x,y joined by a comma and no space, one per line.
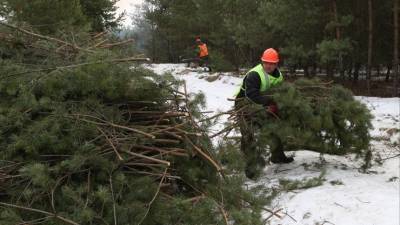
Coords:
202,54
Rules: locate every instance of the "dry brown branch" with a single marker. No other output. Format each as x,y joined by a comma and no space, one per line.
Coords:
45,37
273,213
187,133
88,189
68,221
204,155
98,44
225,130
104,123
116,44
273,114
53,190
132,129
148,158
100,34
170,128
130,59
167,141
221,207
174,135
113,199
194,199
166,151
154,197
111,143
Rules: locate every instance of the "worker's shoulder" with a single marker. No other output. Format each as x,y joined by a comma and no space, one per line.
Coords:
252,74
252,77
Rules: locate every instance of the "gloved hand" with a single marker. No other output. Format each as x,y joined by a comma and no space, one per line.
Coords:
273,109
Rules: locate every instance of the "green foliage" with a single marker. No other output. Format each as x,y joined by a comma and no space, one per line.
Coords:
219,63
51,17
307,33
336,182
58,162
290,185
100,13
322,118
46,15
328,50
229,157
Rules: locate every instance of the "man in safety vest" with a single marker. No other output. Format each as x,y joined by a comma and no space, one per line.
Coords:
202,53
254,86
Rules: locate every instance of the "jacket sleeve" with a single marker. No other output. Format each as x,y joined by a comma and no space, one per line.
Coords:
253,83
197,51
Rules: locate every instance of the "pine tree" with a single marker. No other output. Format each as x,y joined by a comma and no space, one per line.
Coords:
48,16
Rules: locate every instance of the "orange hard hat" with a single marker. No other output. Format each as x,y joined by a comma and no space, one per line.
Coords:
270,55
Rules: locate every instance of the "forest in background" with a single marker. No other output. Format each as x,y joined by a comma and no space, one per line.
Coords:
351,40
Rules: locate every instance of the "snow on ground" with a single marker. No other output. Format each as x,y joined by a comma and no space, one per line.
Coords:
347,196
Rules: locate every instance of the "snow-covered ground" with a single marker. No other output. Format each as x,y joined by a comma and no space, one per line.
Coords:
347,196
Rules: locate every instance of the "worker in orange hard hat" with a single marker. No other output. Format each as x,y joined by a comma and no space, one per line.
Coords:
255,84
202,53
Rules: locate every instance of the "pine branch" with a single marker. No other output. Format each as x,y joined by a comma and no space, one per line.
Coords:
204,155
112,145
225,130
154,197
148,158
130,59
112,124
111,45
45,37
113,199
68,221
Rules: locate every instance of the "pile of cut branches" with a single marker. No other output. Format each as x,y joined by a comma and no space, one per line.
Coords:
104,143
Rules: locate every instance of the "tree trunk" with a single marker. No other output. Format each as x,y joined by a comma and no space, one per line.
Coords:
396,47
350,71
306,72
153,43
170,55
389,68
341,71
292,71
336,19
370,40
338,37
356,72
314,70
378,71
329,71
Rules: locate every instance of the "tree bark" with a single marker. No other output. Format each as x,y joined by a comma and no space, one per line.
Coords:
338,37
370,40
306,71
356,72
389,68
350,71
396,47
